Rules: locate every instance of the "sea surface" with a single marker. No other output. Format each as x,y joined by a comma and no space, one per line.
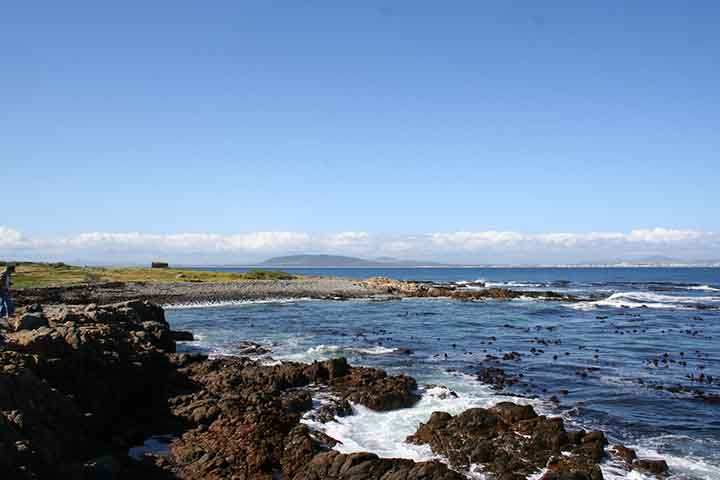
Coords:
631,360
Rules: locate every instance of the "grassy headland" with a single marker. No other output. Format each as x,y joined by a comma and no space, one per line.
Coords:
30,274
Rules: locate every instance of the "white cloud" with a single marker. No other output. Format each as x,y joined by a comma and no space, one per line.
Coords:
344,239
10,238
479,240
474,240
480,247
190,241
663,235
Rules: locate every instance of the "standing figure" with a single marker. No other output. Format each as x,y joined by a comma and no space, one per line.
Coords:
7,307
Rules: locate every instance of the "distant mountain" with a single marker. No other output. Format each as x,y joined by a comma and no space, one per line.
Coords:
342,261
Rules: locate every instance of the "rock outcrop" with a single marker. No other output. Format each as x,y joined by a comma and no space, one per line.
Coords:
511,441
402,288
245,413
80,385
85,382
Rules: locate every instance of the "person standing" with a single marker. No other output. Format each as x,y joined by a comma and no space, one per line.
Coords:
7,307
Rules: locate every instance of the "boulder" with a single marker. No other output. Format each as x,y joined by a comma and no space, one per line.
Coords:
180,336
512,441
29,321
654,466
333,465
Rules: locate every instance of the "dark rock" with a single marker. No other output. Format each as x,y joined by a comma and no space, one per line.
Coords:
624,453
511,412
512,441
333,465
29,321
655,466
83,384
251,348
180,336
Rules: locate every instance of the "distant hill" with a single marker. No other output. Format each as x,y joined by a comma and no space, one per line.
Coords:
342,261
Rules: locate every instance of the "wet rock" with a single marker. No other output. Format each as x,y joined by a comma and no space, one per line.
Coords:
29,321
180,336
512,412
251,348
512,441
419,289
377,391
496,377
571,468
624,453
250,413
333,465
655,466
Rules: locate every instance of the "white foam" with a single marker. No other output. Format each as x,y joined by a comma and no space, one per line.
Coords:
706,288
645,300
680,467
232,303
513,284
384,433
270,363
332,349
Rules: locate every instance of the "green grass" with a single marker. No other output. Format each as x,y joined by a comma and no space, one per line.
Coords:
30,274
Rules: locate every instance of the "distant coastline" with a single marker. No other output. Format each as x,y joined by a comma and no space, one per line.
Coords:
339,261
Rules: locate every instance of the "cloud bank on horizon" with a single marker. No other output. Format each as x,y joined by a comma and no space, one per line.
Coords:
485,247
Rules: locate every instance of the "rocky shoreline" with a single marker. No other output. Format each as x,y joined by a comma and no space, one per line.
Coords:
178,293
80,385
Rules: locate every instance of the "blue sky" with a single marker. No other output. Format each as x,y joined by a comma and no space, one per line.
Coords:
397,120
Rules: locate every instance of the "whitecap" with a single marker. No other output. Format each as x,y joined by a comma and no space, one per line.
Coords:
232,303
384,433
705,288
332,349
645,300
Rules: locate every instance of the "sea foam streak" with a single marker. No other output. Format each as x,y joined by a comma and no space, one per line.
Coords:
232,303
705,288
384,433
647,300
332,349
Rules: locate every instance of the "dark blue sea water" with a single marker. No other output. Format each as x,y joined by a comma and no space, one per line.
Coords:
631,360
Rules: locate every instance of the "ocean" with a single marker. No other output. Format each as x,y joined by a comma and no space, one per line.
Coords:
638,359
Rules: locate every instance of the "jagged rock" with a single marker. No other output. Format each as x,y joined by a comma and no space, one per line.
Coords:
77,392
624,453
90,380
418,289
251,348
29,321
512,441
655,466
374,389
180,336
333,465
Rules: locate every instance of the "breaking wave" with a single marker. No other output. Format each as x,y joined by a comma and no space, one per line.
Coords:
232,303
333,349
649,300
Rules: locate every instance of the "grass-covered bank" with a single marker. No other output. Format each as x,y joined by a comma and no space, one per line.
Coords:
31,274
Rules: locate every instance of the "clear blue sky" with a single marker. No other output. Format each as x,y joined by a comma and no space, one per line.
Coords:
226,116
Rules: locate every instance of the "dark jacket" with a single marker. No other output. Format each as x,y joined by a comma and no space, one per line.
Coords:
5,281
